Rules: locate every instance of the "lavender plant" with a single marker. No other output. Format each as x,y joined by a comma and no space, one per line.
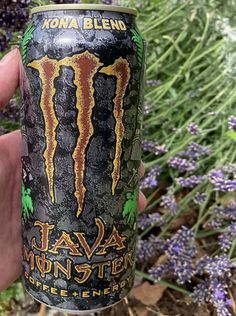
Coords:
190,108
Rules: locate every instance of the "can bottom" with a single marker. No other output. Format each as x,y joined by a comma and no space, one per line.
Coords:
69,311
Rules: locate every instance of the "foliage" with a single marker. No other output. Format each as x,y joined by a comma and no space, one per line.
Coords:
15,291
189,107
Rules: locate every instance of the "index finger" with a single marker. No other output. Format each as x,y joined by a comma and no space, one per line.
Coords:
9,76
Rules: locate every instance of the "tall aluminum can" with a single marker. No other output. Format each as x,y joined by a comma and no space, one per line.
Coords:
81,86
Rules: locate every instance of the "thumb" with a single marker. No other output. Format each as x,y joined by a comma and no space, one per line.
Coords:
9,76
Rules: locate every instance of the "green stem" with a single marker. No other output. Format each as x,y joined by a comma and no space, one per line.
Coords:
232,248
165,18
167,52
203,234
151,196
201,211
206,87
165,283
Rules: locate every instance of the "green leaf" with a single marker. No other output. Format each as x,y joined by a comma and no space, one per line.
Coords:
139,43
231,135
26,39
130,207
27,203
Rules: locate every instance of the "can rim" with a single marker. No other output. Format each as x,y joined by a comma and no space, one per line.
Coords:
98,7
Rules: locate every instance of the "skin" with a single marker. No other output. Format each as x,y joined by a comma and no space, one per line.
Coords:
10,180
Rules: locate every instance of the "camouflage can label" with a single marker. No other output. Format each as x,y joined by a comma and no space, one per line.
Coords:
81,87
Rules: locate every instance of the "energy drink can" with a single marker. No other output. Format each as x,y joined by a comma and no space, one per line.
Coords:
81,86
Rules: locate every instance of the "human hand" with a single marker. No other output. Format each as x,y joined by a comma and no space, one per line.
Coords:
10,180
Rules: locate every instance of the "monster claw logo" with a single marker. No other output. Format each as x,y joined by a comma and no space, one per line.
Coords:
49,70
121,70
85,66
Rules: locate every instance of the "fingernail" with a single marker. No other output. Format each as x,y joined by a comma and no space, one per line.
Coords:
8,56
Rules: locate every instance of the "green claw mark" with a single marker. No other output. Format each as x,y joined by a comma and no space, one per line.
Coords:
25,41
27,203
130,207
139,43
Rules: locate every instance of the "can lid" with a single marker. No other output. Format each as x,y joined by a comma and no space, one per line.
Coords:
98,7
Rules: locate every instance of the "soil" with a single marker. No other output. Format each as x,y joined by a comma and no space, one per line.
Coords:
169,305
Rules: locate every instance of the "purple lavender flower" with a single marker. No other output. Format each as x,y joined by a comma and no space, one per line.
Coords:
218,296
193,128
153,83
168,201
196,150
225,242
154,147
222,307
157,242
230,168
214,291
232,122
181,244
216,177
180,251
150,180
201,292
144,250
190,182
182,165
160,149
158,272
143,221
147,249
221,214
202,263
155,218
220,267
147,145
224,185
214,288
146,220
215,174
232,230
184,270
200,198
226,239
215,223
227,212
